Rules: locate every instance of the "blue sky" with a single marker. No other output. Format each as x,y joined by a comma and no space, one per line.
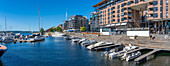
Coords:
22,13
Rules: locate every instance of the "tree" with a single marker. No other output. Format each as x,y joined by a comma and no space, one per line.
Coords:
42,31
83,29
52,30
59,29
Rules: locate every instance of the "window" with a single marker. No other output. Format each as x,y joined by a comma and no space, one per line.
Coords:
125,19
109,22
108,10
113,20
129,3
112,8
118,15
161,15
166,8
160,2
100,22
155,2
122,9
108,13
108,17
136,1
155,9
113,12
118,20
122,5
100,15
122,19
100,12
118,6
155,15
161,9
105,30
166,14
166,2
122,14
118,11
112,16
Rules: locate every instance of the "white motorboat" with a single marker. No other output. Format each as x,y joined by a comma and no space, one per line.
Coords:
37,38
114,54
89,42
58,34
131,56
7,39
82,40
95,45
70,37
100,44
3,49
75,40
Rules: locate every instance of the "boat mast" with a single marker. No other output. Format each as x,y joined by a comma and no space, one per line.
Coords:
39,18
5,25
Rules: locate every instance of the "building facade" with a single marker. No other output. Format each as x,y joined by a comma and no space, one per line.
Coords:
125,14
94,22
75,22
65,25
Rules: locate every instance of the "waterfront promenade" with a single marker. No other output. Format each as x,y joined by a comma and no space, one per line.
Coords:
159,41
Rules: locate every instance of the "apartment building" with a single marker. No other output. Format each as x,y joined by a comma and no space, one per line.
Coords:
123,15
94,22
75,22
65,25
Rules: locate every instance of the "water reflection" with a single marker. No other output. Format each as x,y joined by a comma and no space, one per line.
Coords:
60,52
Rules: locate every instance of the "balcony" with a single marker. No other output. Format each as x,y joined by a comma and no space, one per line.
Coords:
150,6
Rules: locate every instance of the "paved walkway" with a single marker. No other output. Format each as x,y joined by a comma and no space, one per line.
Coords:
158,42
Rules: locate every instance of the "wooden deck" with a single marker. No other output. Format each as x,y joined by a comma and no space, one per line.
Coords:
146,55
135,50
19,40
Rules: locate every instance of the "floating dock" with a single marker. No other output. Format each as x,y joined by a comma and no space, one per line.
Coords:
145,56
21,41
135,50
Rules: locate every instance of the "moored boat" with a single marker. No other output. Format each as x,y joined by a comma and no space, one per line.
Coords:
3,49
58,34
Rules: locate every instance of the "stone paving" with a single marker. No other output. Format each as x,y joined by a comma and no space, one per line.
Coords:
158,42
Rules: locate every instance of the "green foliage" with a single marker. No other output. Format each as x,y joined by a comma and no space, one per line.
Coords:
83,29
59,29
42,31
56,29
52,30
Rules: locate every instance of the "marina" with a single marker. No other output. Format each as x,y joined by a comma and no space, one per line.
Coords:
139,60
85,33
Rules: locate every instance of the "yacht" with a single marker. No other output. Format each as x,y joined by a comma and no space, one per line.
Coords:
89,42
58,34
82,40
3,49
114,54
6,39
131,56
75,40
99,44
37,38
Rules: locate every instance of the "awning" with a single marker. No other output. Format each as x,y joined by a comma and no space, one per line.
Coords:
117,24
112,24
123,23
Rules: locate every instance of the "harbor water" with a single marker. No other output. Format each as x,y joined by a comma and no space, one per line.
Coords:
60,52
